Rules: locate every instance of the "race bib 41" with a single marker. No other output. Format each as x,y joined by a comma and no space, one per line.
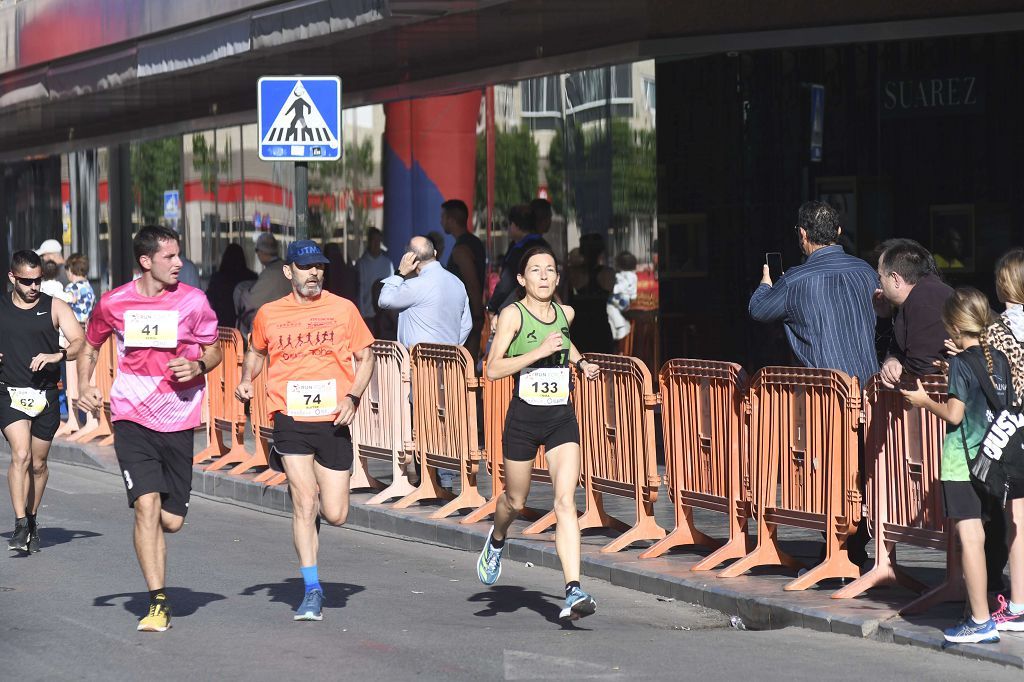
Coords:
151,328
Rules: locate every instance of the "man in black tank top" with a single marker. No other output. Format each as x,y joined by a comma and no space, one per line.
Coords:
30,357
467,262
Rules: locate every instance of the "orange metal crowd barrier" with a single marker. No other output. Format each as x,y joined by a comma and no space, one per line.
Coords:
444,424
226,413
382,428
106,370
496,398
904,450
804,467
262,431
616,417
704,415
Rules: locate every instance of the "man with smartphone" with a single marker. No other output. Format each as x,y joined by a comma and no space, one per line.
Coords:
825,304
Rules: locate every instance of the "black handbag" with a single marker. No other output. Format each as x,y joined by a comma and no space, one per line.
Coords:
1001,454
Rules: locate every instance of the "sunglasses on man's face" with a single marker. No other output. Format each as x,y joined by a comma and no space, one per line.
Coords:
29,281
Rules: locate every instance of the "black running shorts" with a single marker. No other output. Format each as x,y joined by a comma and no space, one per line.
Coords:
155,462
527,427
329,445
44,424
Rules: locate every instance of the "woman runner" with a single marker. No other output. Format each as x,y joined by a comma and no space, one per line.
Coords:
532,343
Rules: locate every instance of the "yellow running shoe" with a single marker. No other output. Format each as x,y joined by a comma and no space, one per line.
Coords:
159,617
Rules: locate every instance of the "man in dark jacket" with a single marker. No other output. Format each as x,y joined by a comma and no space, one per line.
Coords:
910,282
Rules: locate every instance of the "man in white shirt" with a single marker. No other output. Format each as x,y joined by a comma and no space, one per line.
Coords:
373,266
433,306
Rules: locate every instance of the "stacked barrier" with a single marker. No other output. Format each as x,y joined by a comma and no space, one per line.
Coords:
496,398
72,425
904,449
106,370
704,420
444,423
616,417
805,469
226,413
382,428
263,431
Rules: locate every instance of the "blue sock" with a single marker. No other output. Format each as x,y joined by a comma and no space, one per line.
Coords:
311,578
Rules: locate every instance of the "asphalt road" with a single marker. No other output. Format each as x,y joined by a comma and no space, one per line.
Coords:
395,610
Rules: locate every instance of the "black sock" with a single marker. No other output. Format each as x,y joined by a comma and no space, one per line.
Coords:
497,544
31,520
154,596
570,585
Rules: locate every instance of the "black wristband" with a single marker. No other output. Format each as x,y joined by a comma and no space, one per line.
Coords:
64,352
579,363
354,399
202,366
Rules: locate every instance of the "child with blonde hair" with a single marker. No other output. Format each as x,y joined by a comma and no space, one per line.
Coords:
967,316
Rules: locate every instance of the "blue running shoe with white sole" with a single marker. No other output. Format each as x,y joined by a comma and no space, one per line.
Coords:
969,632
310,608
488,566
577,605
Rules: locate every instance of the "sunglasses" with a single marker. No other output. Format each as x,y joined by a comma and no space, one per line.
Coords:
29,281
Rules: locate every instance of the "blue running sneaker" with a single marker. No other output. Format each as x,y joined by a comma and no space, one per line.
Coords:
577,605
968,632
309,609
488,566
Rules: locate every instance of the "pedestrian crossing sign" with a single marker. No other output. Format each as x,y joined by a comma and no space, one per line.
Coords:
299,118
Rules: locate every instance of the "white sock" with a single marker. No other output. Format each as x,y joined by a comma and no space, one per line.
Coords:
1016,608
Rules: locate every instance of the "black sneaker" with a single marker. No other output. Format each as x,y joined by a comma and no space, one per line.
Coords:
33,539
19,543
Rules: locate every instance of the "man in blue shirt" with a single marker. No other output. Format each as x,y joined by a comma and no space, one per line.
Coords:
826,307
433,306
825,303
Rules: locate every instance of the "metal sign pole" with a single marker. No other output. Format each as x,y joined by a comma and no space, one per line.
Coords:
301,200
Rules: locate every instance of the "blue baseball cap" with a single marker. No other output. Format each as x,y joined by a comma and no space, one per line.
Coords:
305,252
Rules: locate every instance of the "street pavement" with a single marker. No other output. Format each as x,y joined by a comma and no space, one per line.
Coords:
395,609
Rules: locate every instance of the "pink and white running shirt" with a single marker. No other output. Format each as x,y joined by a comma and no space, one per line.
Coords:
150,332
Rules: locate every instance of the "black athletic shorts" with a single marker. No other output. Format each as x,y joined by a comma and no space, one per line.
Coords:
155,462
967,500
329,445
527,427
44,424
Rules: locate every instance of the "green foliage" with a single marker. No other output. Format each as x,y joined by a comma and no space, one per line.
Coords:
156,168
556,174
207,162
349,176
515,170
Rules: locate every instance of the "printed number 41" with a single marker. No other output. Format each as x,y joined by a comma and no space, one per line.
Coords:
151,330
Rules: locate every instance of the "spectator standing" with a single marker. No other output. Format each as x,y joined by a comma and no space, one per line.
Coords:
51,250
341,278
468,263
372,267
540,211
83,298
826,307
51,286
220,291
433,306
909,281
523,237
623,294
189,274
271,284
590,286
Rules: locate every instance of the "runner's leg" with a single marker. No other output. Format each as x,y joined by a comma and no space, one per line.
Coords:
19,437
302,487
511,503
333,493
564,466
40,474
150,545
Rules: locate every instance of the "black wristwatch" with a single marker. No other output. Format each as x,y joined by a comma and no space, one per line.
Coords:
64,352
354,399
202,366
579,363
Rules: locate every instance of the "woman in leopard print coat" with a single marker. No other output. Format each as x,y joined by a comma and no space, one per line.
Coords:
1007,332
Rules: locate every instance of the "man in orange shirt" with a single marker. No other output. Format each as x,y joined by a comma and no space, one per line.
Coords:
308,340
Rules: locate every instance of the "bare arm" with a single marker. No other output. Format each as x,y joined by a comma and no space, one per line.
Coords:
89,397
364,370
252,365
69,325
951,412
186,370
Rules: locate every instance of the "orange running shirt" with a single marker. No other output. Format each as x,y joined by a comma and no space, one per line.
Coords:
309,345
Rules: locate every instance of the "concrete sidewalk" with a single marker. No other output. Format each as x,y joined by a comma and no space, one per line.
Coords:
757,598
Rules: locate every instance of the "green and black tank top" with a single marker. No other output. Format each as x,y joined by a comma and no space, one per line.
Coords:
532,333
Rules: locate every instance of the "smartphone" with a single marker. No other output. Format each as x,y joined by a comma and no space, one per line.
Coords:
773,260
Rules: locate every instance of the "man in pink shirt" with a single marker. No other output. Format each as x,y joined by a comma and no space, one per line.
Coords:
166,336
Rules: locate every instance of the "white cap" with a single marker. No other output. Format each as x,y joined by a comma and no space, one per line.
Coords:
49,246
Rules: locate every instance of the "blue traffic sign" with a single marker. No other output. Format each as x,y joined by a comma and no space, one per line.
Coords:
299,118
172,205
